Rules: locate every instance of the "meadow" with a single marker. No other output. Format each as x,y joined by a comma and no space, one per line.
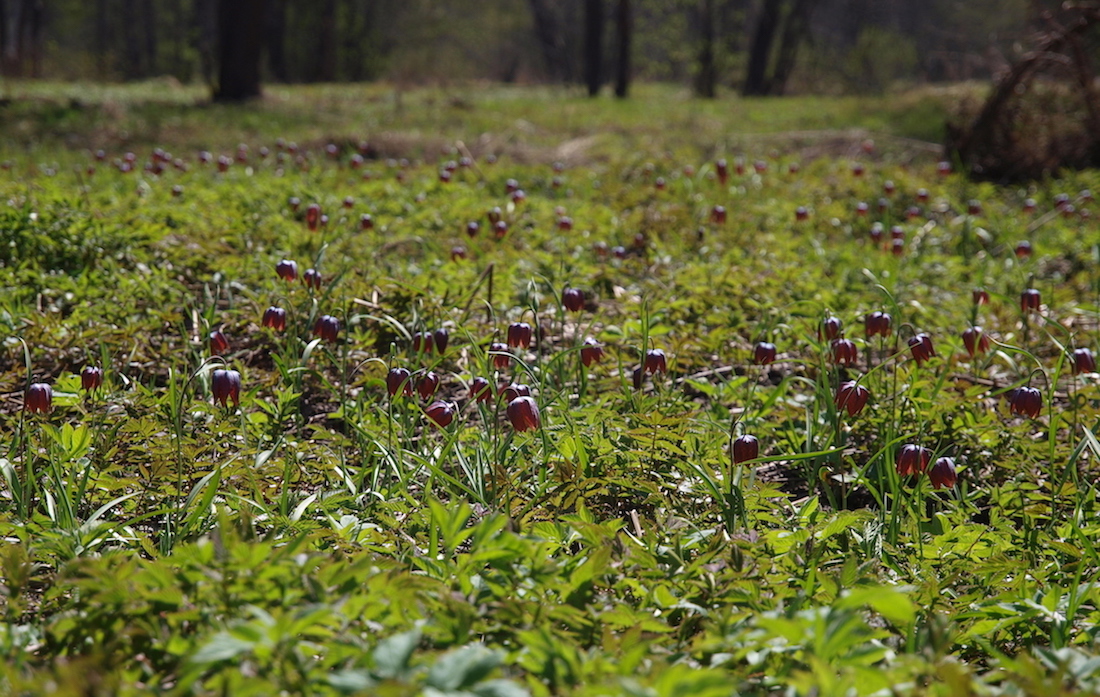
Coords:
503,391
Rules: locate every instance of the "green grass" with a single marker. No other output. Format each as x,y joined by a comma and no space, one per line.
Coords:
324,537
522,120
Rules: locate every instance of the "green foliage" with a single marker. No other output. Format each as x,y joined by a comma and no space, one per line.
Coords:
326,537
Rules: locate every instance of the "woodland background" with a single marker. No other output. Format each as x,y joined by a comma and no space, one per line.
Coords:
758,47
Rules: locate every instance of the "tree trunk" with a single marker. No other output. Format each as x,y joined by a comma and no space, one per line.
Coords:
11,60
131,43
150,39
205,30
240,46
326,49
624,26
593,45
767,24
795,31
102,38
546,32
276,40
706,79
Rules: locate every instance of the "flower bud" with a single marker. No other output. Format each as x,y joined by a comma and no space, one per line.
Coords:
423,342
287,270
39,399
91,378
441,413
1030,299
523,413
943,475
219,344
764,353
441,338
480,390
655,362
831,328
572,299
313,216
399,380
745,448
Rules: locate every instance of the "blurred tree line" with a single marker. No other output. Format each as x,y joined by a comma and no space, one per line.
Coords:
758,47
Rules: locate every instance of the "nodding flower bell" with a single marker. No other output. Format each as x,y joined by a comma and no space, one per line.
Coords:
523,413
975,340
226,386
39,399
845,352
423,342
275,318
498,352
427,384
851,397
1083,361
313,216
442,337
1030,299
572,299
480,390
399,380
327,327
514,391
831,328
591,352
980,296
921,348
912,459
312,278
219,344
1025,401
519,335
943,475
287,269
91,378
764,353
655,362
441,413
877,324
746,447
